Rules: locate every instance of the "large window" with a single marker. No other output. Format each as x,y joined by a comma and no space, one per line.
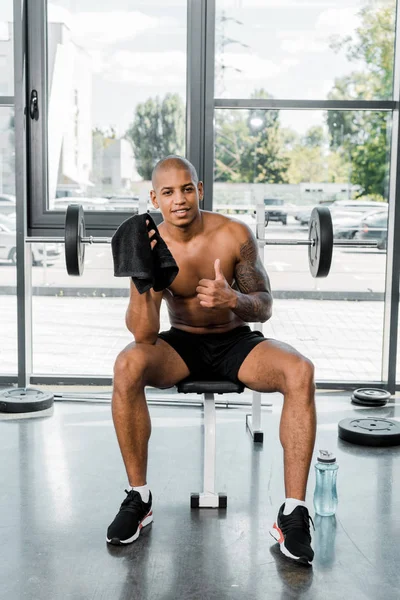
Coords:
117,101
335,62
291,161
292,106
117,89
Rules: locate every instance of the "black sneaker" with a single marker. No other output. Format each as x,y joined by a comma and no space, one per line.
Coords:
292,532
133,515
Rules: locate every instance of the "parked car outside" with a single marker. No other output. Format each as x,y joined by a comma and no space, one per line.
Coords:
355,206
342,208
346,225
67,190
275,210
374,227
7,204
8,245
303,213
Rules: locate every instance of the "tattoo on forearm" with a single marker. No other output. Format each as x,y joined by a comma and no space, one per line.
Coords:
253,308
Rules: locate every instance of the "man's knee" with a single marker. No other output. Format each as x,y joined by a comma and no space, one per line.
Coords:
299,374
130,367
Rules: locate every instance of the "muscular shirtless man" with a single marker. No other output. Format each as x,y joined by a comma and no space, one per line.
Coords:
221,286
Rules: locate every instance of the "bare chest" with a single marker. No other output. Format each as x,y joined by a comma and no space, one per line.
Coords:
197,263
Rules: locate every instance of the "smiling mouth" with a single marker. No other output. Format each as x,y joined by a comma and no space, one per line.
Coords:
181,211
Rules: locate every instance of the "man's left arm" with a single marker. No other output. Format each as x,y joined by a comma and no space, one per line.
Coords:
253,297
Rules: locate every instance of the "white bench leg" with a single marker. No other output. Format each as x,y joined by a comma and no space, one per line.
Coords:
208,498
253,421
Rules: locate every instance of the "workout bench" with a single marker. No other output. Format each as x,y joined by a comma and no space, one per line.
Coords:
208,498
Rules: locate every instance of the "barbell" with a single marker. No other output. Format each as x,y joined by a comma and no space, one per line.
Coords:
320,241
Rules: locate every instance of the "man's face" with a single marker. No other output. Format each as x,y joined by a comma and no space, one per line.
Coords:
176,195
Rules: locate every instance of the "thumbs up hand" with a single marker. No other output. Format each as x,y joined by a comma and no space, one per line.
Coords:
216,293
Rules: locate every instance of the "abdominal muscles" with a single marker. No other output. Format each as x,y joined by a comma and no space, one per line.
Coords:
187,313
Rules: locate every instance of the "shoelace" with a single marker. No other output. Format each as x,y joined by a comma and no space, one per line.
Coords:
132,502
297,520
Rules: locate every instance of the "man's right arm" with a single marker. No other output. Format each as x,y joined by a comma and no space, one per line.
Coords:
143,315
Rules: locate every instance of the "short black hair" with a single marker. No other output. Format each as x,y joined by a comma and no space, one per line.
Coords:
178,162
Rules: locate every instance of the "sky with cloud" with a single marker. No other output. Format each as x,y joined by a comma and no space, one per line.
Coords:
137,49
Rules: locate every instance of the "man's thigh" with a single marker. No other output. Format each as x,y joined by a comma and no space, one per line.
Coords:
162,366
264,368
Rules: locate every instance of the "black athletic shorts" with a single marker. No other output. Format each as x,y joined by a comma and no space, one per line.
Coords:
213,355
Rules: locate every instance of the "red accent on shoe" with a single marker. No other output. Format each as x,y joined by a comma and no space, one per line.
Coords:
281,538
141,522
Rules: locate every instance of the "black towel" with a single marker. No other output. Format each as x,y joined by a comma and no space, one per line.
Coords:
133,256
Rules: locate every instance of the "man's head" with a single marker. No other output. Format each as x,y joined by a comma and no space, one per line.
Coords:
177,190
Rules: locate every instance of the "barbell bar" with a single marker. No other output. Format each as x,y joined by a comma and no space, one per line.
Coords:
57,240
275,242
343,243
320,241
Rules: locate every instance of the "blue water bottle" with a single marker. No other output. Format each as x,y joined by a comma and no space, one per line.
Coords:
325,495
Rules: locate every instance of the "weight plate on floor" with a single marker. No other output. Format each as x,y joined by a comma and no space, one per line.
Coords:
23,400
370,431
371,394
370,402
74,232
320,233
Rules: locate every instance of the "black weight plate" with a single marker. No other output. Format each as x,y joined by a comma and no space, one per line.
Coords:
370,431
371,394
23,400
370,403
74,232
320,233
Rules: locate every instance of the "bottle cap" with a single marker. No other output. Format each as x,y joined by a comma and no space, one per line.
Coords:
326,457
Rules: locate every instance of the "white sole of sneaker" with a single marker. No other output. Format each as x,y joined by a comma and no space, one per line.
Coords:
278,536
146,521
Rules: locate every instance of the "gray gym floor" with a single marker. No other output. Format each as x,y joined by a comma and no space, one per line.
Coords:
62,481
